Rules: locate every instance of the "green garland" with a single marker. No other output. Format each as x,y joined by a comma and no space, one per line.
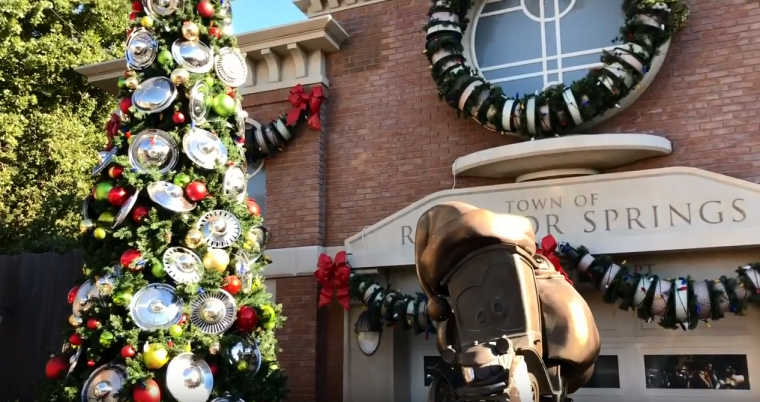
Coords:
486,102
735,293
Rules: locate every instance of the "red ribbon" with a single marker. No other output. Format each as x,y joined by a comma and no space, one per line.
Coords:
311,102
548,245
112,129
333,276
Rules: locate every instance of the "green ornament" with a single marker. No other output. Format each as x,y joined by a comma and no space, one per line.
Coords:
181,179
122,82
106,217
157,269
274,367
99,233
164,57
86,270
102,189
122,298
175,331
242,365
210,82
224,105
106,338
267,317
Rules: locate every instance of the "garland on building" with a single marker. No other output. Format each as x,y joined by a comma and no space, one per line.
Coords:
172,306
679,303
557,110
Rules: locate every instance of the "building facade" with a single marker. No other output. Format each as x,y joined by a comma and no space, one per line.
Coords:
668,182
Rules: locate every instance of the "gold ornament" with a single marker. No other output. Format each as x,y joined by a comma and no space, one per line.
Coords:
194,238
216,260
242,365
99,233
86,225
74,321
146,22
214,348
188,347
132,83
190,31
179,76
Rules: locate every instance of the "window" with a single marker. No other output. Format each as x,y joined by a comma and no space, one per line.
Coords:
525,46
257,184
725,372
606,373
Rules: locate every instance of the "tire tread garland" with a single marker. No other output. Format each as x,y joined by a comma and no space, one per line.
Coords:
391,306
649,25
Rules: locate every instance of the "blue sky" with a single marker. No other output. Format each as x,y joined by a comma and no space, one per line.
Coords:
252,15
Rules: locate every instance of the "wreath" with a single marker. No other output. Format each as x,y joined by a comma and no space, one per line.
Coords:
558,109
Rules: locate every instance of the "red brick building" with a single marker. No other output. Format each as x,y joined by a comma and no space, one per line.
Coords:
387,142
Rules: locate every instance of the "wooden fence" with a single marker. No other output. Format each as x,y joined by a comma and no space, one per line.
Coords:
33,290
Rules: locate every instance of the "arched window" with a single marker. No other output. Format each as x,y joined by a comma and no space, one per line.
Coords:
527,45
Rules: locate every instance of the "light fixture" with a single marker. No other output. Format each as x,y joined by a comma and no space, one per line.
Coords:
368,330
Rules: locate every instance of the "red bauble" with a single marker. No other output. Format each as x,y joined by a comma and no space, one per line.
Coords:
72,294
178,118
147,391
205,9
195,191
253,207
139,213
132,17
128,351
93,324
125,104
115,172
231,92
75,339
183,319
130,259
232,284
213,368
247,318
118,196
56,367
90,363
137,6
215,32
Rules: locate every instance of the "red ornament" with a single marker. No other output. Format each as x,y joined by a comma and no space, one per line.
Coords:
205,9
132,17
213,368
170,344
231,92
253,207
139,214
131,260
232,284
93,324
247,318
115,171
183,319
128,351
90,363
75,339
215,32
148,391
56,367
72,294
196,191
137,6
178,118
125,104
118,196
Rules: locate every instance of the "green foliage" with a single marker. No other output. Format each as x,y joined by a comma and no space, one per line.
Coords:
51,120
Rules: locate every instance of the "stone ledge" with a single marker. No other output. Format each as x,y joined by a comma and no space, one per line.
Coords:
314,8
278,57
562,156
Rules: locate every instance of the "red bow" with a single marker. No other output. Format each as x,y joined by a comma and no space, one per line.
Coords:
333,275
548,245
300,101
112,129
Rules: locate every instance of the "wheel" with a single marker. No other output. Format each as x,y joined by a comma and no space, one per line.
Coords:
525,384
534,390
441,391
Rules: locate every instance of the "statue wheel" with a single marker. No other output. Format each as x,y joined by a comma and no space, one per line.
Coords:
441,391
534,390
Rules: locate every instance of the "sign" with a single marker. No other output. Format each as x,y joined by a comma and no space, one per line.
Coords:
644,211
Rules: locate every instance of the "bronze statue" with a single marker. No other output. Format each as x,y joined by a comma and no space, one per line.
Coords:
507,318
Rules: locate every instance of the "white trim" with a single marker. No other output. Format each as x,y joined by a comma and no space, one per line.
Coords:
295,261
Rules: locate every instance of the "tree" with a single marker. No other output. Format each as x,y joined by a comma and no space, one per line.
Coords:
50,120
172,306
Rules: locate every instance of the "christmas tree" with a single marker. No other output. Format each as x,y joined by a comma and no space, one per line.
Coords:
172,306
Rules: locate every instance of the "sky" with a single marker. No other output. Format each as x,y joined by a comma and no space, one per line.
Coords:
252,15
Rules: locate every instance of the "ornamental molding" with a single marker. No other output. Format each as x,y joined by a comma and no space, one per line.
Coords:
278,58
314,8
